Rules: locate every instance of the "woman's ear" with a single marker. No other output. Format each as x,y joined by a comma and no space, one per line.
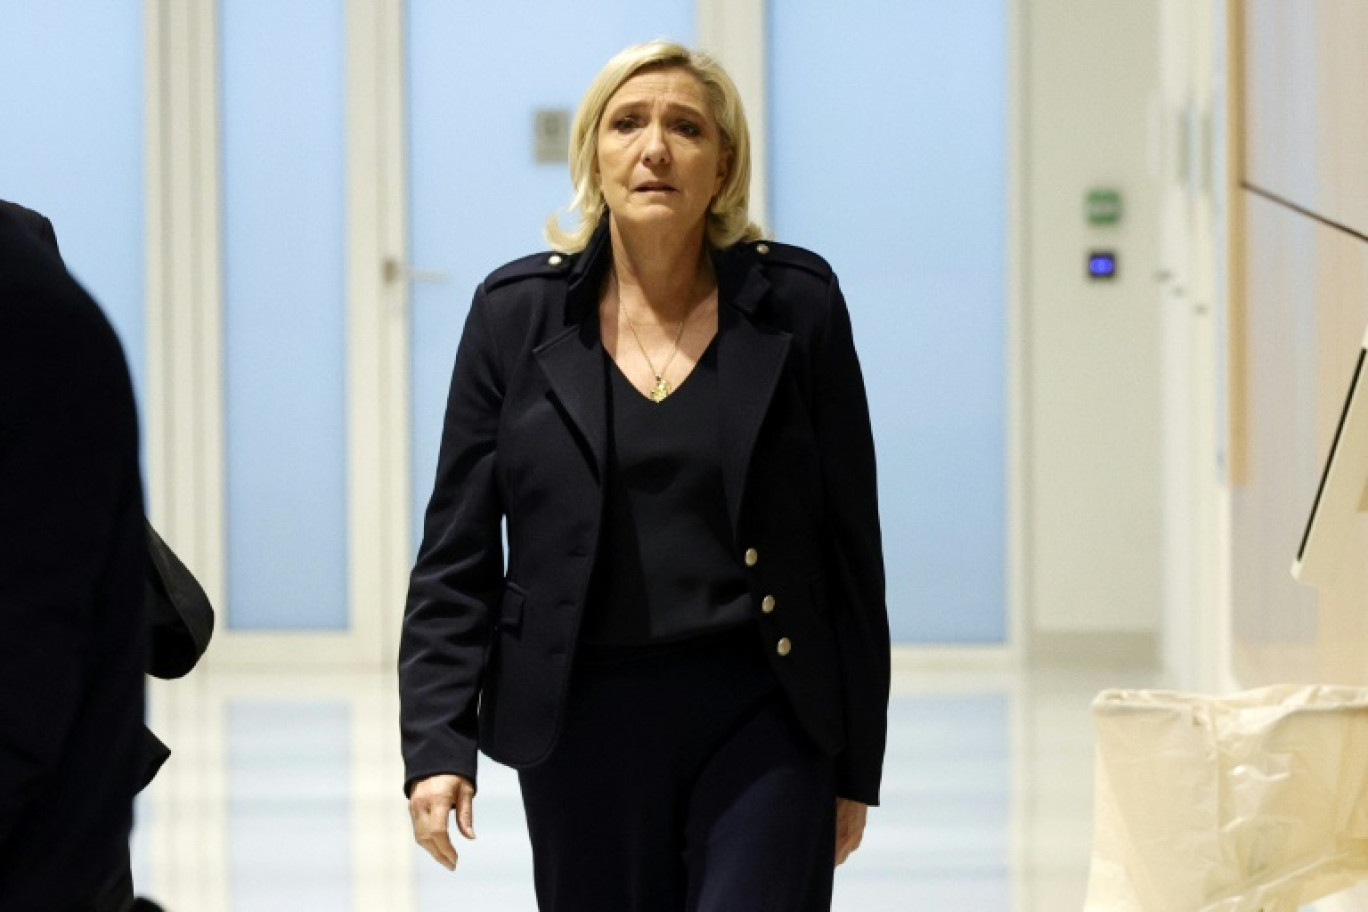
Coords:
724,162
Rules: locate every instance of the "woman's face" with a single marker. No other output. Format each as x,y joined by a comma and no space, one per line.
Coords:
660,156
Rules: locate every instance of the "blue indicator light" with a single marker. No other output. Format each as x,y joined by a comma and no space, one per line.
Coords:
1102,264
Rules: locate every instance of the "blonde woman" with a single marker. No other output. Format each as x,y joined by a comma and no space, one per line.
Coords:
686,653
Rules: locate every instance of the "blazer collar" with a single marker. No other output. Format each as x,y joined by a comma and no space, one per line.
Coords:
586,276
741,283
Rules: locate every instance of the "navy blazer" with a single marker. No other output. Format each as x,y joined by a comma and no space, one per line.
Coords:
487,650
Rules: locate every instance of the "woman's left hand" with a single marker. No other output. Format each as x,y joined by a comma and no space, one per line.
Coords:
850,825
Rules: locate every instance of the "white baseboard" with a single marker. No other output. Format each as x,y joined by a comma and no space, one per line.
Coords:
954,669
917,657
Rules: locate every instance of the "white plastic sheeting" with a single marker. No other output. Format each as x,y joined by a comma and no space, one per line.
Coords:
1253,802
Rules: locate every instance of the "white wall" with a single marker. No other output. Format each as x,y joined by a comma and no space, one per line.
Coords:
1090,422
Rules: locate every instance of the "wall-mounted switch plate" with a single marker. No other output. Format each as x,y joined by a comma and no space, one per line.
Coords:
551,136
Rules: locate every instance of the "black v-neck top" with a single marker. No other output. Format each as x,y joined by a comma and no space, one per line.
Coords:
666,569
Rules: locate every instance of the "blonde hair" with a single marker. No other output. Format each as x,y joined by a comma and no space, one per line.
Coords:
728,215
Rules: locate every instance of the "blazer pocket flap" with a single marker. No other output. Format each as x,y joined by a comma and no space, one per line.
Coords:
511,607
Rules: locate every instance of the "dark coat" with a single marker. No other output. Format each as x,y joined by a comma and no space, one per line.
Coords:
180,620
35,222
525,439
72,556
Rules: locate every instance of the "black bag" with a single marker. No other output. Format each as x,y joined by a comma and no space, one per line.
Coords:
180,619
180,622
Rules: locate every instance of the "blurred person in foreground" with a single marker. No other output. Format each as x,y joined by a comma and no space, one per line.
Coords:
178,616
686,654
72,560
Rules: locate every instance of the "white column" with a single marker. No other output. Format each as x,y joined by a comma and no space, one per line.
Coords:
185,469
734,32
377,326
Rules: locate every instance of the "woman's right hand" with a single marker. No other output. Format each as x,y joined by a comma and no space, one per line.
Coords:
431,803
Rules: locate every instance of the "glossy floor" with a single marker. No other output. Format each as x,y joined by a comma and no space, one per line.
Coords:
284,794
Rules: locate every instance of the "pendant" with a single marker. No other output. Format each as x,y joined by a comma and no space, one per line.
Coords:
659,391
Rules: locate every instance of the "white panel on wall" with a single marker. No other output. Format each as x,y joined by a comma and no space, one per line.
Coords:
1093,532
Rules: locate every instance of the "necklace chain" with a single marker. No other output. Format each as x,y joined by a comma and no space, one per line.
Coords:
662,386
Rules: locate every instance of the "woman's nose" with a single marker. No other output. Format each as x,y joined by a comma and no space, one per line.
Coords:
656,151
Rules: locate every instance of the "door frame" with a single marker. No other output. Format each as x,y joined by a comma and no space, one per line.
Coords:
187,490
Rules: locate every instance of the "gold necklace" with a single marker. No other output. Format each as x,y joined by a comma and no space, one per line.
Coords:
662,387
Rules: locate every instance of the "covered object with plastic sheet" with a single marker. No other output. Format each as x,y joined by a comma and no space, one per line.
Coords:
1252,802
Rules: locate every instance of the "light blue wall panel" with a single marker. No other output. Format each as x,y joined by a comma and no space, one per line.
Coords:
888,157
476,72
282,96
72,115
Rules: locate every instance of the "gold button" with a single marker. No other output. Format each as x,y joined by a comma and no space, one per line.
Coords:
767,604
762,249
556,259
752,557
785,646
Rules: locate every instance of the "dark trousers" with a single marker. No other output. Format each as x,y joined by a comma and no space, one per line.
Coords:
681,782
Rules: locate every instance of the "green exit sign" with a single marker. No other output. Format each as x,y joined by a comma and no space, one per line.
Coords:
1103,206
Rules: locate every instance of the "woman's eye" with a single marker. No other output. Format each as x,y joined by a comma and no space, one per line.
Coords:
688,128
623,124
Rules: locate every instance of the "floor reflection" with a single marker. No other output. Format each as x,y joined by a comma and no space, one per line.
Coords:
284,794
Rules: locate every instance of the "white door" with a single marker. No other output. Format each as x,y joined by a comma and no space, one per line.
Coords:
278,467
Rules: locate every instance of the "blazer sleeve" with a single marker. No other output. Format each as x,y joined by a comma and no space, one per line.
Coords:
459,570
854,552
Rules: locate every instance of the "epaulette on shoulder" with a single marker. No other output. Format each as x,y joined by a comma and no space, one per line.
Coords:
778,254
539,265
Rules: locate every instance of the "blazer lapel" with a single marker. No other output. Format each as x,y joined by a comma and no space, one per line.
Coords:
750,360
573,364
573,359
